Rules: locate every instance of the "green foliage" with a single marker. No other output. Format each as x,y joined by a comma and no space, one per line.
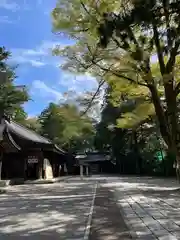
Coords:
66,127
11,97
115,67
115,41
33,124
19,115
142,29
127,30
132,119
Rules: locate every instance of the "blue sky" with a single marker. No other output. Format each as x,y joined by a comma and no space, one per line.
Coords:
25,29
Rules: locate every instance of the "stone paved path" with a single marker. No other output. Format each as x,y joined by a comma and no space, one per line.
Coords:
151,207
107,221
146,207
47,212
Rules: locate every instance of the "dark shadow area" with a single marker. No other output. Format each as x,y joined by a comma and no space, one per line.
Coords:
107,222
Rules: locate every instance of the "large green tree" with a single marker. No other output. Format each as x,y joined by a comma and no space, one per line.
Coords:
130,34
19,115
33,124
66,126
12,97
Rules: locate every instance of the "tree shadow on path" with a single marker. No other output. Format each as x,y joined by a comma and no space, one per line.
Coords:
45,212
107,221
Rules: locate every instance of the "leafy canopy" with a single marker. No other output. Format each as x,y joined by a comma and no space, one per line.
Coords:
11,97
116,40
66,127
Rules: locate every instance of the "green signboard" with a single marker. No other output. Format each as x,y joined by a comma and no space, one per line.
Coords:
160,155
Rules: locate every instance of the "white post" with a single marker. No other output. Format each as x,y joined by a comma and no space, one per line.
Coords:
81,171
87,171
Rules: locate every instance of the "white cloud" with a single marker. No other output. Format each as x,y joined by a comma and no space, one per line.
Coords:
45,48
78,83
21,59
33,52
36,63
46,91
80,86
9,5
52,95
5,19
14,5
38,56
30,116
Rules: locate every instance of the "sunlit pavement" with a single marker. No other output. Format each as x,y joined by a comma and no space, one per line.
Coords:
150,207
51,211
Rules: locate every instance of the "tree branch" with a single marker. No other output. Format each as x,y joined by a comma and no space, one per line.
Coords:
172,59
158,48
101,83
177,89
86,10
118,74
166,13
132,36
174,52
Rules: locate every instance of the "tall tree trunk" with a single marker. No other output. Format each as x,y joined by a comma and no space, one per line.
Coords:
163,124
172,118
168,122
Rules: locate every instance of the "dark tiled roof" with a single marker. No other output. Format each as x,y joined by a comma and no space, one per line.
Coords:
16,129
25,133
59,149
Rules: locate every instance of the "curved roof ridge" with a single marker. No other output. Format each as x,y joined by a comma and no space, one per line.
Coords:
26,133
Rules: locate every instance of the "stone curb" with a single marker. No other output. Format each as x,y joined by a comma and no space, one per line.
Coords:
5,183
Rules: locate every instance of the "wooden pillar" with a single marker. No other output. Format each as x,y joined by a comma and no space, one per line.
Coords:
59,170
65,169
0,168
25,168
40,165
54,169
45,168
1,159
81,171
87,171
40,169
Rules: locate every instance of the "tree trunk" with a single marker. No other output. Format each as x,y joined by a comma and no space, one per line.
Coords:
163,123
174,158
167,124
137,153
